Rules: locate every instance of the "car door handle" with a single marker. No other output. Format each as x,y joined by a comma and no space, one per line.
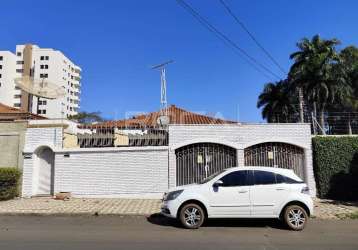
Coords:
242,191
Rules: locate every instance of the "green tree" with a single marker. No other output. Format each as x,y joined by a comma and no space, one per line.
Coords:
315,71
277,102
349,63
87,117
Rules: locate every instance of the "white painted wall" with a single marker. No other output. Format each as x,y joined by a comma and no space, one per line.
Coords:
7,83
119,172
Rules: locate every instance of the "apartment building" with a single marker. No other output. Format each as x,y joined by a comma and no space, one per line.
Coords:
39,63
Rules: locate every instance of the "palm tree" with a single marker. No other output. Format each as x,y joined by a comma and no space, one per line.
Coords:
349,63
277,102
314,71
349,69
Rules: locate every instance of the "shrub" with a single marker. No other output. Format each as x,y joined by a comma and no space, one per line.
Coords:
9,183
335,162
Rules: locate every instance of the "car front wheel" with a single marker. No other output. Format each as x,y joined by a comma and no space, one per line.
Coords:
295,217
192,216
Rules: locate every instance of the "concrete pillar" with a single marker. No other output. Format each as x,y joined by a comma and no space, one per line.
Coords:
309,173
240,157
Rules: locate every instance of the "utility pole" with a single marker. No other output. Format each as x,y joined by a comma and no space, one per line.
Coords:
163,88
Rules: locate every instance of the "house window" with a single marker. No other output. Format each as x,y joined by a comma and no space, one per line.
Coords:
41,111
19,70
0,75
17,96
18,53
44,102
46,57
42,58
0,66
0,84
1,58
19,62
17,105
17,88
43,75
44,66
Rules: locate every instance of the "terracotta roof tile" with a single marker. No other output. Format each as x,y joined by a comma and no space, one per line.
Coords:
11,114
176,116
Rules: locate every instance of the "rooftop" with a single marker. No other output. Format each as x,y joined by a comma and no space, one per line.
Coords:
11,114
176,116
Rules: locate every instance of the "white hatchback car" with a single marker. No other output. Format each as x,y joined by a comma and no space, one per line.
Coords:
242,192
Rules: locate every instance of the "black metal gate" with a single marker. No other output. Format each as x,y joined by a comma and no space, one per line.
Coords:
275,154
197,161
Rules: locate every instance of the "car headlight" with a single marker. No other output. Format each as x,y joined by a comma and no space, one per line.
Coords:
172,195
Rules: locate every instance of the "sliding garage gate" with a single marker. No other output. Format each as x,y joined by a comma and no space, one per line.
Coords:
197,161
275,154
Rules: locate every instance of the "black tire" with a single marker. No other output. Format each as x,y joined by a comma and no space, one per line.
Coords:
192,216
295,217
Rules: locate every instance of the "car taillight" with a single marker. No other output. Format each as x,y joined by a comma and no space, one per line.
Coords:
305,190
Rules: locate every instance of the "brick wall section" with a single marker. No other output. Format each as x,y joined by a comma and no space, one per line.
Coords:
27,178
140,170
36,137
241,136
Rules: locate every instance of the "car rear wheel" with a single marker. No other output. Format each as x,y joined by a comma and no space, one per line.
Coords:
192,216
295,217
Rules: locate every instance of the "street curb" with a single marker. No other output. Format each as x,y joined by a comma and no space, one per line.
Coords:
85,214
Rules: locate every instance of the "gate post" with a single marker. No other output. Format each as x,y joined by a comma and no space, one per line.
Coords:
309,172
240,157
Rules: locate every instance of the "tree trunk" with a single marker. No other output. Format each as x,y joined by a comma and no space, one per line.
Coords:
321,121
349,125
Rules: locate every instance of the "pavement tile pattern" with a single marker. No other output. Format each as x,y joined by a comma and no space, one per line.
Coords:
324,209
80,206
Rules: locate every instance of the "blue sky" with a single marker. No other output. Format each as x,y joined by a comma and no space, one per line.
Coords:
116,42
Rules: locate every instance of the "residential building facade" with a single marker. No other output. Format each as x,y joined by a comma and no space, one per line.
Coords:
40,63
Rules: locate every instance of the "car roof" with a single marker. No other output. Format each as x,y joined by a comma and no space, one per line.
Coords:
285,171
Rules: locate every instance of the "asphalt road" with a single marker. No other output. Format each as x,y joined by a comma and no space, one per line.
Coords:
50,233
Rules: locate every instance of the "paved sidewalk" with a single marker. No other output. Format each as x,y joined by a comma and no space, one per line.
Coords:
330,209
80,206
324,209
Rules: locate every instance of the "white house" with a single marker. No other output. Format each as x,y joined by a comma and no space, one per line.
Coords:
194,151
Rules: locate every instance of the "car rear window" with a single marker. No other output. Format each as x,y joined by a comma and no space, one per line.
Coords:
264,177
285,179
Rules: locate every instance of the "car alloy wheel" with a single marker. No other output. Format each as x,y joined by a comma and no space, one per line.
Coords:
296,217
192,216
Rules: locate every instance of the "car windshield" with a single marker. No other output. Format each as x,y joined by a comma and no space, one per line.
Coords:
209,178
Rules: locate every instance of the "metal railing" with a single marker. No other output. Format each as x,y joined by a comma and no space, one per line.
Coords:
114,137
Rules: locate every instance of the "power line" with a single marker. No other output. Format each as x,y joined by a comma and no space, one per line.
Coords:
228,9
249,59
201,21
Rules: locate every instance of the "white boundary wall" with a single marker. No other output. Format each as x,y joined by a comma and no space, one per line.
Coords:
147,171
115,172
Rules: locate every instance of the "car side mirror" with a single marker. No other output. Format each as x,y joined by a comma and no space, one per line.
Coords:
218,183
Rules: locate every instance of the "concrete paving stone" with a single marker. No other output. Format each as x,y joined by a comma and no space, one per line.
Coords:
324,209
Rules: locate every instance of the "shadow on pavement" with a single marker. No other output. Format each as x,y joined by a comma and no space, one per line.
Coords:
161,220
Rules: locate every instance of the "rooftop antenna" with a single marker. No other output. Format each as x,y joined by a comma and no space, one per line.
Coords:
163,120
